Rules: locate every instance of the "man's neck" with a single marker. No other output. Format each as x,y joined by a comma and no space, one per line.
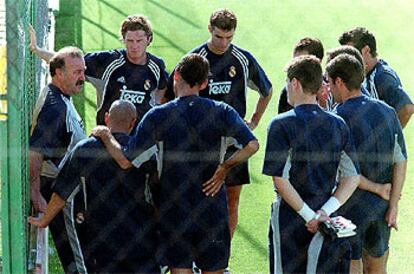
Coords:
371,63
351,94
117,129
59,85
185,90
213,50
306,100
141,60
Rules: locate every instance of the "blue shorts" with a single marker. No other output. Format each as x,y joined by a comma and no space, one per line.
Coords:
208,248
373,236
238,175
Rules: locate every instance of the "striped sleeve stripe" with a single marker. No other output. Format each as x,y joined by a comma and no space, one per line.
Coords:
243,58
373,90
109,69
346,166
274,237
288,166
107,75
203,52
68,215
155,69
39,105
145,156
314,250
398,154
244,63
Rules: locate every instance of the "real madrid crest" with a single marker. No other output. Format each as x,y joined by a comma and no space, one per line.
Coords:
147,84
232,71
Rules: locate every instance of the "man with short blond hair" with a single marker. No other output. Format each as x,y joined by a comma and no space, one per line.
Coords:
131,74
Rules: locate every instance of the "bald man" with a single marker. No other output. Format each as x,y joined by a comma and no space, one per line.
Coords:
119,218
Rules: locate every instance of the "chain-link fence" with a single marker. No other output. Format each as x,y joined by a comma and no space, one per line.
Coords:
20,86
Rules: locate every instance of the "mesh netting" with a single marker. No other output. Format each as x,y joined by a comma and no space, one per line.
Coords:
19,87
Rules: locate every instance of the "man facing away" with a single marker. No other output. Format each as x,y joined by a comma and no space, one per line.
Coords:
233,71
120,225
382,156
305,148
190,147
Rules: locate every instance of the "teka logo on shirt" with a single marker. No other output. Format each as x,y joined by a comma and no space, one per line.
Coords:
219,87
135,97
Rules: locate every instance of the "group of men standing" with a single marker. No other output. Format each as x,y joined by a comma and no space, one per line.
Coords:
147,189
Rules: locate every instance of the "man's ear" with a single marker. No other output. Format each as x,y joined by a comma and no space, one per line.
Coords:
149,39
204,84
132,125
210,28
177,75
295,83
106,118
339,82
59,72
366,50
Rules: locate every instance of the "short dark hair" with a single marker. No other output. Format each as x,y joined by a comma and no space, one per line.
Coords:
313,46
194,69
122,113
58,59
136,22
307,70
348,68
359,37
332,53
223,19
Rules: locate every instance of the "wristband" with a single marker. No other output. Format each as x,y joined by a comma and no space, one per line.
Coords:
306,212
331,205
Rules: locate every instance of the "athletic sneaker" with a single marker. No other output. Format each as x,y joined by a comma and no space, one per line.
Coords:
164,269
196,270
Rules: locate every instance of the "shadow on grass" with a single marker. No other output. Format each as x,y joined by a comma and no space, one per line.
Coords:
170,11
255,244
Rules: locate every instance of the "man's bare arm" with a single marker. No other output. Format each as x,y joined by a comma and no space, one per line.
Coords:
288,193
293,199
42,53
398,178
382,190
405,113
346,187
213,185
261,106
55,205
159,96
36,160
112,145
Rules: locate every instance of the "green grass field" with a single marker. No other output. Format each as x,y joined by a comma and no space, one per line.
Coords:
269,30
